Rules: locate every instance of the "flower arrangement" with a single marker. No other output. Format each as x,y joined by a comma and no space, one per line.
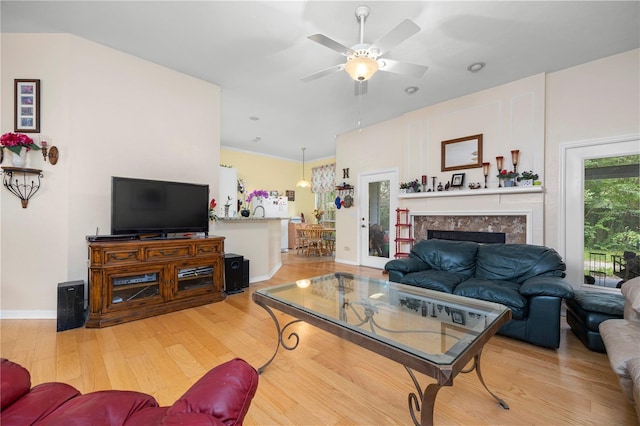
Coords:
212,210
318,213
258,193
507,175
413,185
528,176
14,142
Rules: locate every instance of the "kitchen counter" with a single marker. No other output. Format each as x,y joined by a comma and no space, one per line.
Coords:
257,239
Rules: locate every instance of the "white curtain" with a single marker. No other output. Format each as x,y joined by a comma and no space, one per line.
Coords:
323,178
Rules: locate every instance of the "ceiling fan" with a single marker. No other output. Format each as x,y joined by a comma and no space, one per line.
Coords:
364,60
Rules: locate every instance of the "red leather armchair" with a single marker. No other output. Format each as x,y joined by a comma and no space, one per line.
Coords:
220,397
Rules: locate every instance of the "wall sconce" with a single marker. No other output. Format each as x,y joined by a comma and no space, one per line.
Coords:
50,154
24,186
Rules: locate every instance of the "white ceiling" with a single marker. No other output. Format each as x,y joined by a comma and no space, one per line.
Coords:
256,51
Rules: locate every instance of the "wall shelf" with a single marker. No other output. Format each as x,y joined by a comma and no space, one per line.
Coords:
470,192
22,182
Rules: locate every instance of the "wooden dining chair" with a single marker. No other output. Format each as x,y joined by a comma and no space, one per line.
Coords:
313,237
300,240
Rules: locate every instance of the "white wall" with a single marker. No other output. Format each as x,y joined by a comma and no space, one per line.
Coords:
510,117
600,99
109,114
595,100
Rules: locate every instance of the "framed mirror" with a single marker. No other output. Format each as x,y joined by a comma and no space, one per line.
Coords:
461,153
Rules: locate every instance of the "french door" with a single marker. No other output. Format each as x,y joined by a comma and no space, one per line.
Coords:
376,215
586,265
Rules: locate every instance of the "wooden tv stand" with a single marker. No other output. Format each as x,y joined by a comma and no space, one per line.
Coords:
130,280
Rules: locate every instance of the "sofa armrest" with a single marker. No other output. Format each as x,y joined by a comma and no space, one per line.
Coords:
15,381
406,265
225,392
546,286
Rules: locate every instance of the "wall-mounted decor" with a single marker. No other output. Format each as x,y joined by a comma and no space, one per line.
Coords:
27,105
457,180
291,195
461,153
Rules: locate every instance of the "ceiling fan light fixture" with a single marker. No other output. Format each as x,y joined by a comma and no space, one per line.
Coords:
361,68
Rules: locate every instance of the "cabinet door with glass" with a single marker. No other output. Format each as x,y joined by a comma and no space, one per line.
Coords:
196,276
135,286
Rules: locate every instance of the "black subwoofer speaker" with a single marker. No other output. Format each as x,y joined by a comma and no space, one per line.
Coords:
71,312
233,273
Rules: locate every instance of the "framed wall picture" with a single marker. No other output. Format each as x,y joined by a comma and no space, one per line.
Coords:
457,180
27,105
461,153
291,195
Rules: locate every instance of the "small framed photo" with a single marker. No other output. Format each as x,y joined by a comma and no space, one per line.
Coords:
291,195
27,105
274,194
457,316
457,180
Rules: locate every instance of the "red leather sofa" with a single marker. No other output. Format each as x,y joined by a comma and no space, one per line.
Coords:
220,397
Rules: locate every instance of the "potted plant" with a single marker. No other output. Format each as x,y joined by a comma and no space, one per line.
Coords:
412,186
507,177
244,210
527,178
212,210
19,144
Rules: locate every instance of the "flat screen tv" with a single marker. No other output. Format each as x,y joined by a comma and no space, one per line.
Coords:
141,206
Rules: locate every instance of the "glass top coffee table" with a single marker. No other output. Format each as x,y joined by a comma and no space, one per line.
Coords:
434,333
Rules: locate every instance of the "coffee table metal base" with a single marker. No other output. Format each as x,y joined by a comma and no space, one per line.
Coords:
423,403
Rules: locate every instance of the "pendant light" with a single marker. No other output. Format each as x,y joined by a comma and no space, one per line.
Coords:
303,183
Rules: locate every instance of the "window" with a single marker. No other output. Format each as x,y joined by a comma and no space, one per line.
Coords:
611,219
323,184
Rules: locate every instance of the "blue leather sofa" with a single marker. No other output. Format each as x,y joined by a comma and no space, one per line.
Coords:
526,278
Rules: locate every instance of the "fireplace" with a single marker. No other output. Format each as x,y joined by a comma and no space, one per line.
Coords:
511,228
477,237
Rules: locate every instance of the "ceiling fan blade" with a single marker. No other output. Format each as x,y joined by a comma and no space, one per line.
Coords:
323,73
403,68
360,87
400,33
331,44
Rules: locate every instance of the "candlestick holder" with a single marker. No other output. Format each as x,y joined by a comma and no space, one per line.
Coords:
485,170
499,164
515,157
433,183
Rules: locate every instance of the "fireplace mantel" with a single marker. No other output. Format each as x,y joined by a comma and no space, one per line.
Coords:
470,192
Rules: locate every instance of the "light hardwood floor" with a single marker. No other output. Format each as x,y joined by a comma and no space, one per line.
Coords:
325,381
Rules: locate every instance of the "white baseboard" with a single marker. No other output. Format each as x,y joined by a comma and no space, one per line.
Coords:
33,314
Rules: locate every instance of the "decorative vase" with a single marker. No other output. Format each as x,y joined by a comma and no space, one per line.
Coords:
19,160
244,213
508,183
526,182
226,212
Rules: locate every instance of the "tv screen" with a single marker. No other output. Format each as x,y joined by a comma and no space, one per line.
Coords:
140,206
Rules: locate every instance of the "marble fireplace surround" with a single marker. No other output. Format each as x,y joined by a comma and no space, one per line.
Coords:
516,225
